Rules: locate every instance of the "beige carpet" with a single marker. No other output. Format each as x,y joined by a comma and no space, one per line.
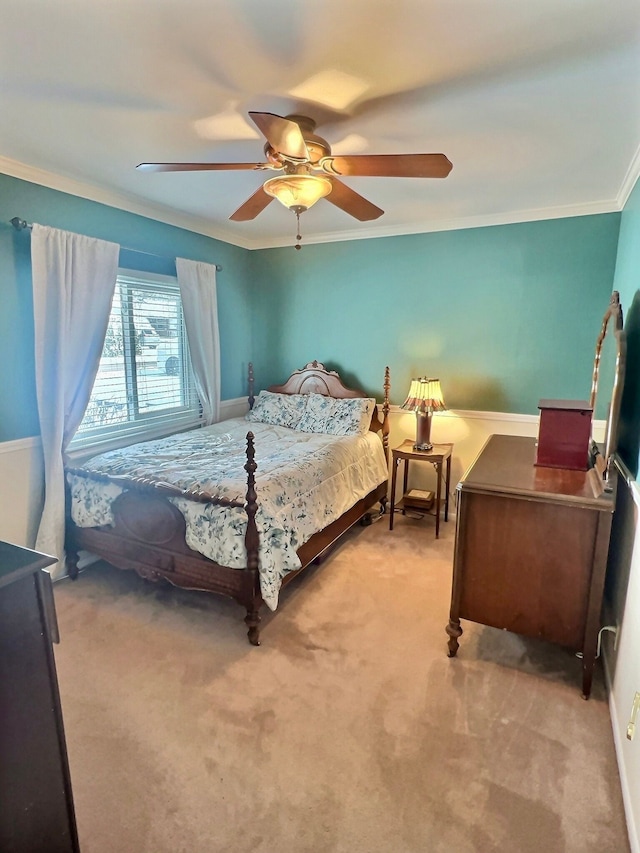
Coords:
349,729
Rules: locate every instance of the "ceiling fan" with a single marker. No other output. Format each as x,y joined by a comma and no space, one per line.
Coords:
310,171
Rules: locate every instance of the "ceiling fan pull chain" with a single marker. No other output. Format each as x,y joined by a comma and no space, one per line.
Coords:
298,235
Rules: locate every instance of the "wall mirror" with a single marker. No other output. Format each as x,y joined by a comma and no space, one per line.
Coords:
608,375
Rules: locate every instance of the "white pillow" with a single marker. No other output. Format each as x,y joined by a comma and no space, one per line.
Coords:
278,409
337,417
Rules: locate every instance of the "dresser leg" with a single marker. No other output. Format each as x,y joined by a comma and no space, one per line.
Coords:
587,677
454,630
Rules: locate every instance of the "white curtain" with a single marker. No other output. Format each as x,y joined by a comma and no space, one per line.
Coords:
197,282
73,283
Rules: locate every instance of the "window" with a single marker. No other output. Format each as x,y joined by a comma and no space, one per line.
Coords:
144,385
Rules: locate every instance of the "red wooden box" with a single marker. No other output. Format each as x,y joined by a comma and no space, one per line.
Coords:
564,434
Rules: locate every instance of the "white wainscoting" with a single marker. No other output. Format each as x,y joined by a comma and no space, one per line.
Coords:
21,476
21,460
235,408
468,431
22,489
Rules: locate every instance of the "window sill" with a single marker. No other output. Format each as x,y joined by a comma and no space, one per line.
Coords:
81,450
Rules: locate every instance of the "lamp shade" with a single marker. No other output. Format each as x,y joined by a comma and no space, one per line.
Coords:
298,192
425,395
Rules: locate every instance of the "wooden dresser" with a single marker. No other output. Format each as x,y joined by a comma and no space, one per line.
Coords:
36,812
531,549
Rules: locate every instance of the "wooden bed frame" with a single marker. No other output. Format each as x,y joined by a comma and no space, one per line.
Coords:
148,534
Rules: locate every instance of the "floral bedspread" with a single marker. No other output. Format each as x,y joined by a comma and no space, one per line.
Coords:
304,481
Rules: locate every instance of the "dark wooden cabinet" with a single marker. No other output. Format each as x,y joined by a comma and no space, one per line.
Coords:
36,806
531,549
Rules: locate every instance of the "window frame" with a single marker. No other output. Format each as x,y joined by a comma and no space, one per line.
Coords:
142,426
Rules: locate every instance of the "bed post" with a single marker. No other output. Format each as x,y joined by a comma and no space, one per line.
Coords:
385,412
251,541
70,551
385,429
250,384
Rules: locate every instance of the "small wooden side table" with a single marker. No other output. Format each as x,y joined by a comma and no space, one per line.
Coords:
437,456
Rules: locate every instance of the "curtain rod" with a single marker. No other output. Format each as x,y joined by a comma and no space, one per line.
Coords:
22,225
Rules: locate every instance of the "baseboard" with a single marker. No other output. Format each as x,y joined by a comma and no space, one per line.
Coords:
618,720
632,829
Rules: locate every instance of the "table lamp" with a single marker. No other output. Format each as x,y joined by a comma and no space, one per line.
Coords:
424,398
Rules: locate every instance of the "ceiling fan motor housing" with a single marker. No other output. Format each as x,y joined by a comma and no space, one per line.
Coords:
317,147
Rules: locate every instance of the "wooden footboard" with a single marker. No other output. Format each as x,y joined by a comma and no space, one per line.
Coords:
149,535
158,551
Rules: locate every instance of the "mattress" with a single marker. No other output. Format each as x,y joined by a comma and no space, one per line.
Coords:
304,481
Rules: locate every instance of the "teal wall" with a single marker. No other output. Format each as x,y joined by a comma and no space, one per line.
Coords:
627,282
18,409
503,315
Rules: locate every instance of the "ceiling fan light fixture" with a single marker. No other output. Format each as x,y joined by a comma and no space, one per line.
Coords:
298,192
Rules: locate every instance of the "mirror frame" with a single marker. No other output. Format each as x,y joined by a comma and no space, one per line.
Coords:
613,316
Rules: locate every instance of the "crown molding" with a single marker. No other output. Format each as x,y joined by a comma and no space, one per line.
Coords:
121,201
198,225
512,218
630,179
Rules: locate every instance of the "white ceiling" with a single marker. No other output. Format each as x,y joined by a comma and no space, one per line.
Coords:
537,104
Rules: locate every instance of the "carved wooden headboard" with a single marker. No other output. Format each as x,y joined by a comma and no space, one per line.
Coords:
314,378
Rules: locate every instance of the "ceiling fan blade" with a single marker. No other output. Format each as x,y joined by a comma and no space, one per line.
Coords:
282,134
198,167
352,202
254,205
389,165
